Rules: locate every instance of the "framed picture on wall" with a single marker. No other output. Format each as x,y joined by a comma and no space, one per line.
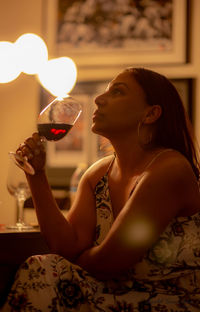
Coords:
113,32
184,88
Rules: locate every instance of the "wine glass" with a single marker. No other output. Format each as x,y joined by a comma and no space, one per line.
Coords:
17,186
54,122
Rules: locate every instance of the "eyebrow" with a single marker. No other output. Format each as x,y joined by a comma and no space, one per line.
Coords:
117,84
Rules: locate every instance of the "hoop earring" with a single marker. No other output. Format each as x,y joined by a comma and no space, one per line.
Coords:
145,141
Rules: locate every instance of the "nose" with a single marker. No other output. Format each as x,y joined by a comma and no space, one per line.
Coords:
100,100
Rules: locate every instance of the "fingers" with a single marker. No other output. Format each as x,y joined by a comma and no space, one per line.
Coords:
36,136
33,150
31,147
35,140
25,151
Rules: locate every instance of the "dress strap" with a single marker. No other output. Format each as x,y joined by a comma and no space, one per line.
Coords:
111,163
156,156
147,166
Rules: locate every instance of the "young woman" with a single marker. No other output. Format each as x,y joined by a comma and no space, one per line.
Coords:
131,240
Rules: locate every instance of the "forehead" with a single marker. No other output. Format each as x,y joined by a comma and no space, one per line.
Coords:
129,80
124,76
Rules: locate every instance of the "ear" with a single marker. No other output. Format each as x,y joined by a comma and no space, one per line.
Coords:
153,113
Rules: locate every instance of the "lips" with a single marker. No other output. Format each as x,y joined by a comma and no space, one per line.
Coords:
96,114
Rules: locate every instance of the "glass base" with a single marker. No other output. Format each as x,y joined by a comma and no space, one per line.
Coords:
22,163
20,227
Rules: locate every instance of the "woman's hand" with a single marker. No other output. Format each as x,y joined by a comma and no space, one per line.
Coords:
33,150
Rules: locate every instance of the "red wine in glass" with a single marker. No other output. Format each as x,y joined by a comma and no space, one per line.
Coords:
54,122
53,132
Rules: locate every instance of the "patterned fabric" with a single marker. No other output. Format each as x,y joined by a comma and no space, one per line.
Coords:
167,279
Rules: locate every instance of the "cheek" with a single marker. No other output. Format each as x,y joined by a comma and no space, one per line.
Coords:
124,115
134,112
117,117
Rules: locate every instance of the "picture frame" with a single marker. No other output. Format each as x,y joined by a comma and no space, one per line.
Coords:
184,86
135,41
62,154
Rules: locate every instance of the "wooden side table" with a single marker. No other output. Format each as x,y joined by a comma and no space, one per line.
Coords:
15,248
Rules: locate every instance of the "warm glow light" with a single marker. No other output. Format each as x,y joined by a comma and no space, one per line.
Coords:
29,54
32,52
58,76
139,232
9,64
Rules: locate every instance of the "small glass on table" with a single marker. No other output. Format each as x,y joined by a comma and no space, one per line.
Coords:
17,186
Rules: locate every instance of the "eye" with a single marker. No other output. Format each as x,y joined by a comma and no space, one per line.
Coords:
116,91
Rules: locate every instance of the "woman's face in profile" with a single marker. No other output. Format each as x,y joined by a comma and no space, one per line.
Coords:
120,108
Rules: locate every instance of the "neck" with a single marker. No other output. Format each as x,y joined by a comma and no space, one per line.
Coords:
131,158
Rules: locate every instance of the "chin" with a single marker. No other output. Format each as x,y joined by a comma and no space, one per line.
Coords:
97,130
94,127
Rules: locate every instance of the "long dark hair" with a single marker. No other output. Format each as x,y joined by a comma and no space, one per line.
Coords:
173,128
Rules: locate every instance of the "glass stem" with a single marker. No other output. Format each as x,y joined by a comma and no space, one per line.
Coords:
20,209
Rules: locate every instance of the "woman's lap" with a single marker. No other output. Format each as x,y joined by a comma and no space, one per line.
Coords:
52,283
47,283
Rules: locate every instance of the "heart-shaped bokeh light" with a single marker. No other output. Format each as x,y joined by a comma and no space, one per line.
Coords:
9,64
32,53
58,76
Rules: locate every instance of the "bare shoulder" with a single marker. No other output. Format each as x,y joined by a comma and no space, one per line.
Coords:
97,170
174,165
173,172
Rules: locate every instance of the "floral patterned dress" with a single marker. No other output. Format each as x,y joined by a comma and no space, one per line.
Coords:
167,279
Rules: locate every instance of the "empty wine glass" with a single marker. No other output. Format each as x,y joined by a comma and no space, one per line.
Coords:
54,122
18,187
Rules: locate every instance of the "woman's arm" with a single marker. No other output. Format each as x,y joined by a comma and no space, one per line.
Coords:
66,236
